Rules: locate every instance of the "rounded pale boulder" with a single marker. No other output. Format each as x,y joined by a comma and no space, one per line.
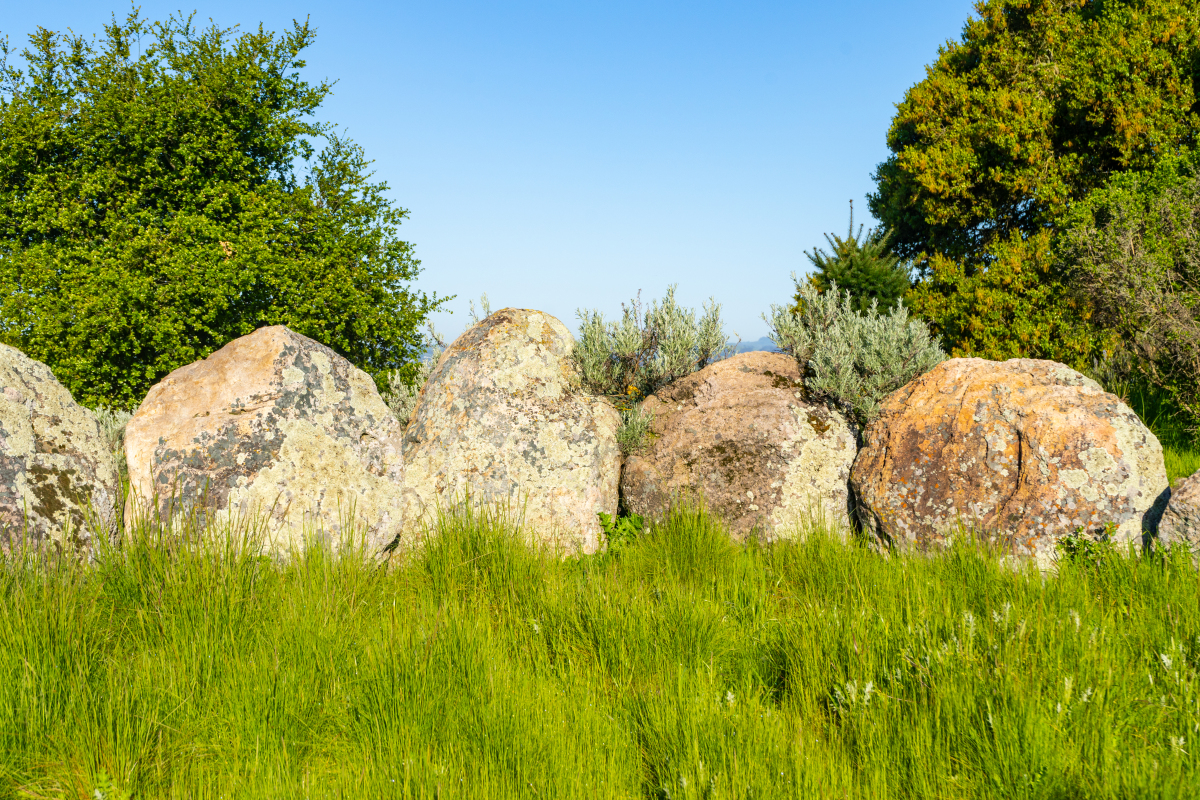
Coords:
1024,452
1181,521
272,425
58,478
500,421
742,434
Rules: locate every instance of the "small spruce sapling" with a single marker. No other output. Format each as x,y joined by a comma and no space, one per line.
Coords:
862,265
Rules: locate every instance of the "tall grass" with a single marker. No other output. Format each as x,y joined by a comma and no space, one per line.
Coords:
680,666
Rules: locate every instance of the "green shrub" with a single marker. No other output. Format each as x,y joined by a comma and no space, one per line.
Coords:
621,531
648,348
1133,250
850,359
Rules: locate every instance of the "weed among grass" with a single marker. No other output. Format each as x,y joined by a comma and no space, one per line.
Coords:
680,665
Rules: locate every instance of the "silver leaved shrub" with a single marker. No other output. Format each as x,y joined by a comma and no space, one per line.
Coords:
850,359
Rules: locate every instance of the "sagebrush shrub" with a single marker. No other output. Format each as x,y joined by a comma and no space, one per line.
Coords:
849,358
646,349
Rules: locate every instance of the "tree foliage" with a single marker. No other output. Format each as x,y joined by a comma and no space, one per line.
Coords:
1037,104
863,266
1015,307
1133,249
151,209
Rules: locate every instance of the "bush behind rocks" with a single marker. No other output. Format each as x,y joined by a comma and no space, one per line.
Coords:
851,359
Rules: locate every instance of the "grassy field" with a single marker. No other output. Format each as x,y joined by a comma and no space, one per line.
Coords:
677,665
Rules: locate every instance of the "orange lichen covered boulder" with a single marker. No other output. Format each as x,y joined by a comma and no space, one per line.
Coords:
1024,451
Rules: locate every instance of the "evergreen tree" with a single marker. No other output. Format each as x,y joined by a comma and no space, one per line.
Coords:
1035,105
862,265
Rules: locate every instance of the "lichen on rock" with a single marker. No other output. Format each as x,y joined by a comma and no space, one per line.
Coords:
501,421
1180,524
1023,452
743,435
58,479
275,427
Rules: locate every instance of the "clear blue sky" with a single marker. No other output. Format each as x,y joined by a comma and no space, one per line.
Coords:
559,155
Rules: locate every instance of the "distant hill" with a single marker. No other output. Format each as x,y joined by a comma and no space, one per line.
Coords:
762,344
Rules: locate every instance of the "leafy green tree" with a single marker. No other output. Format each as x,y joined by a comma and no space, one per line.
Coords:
1037,104
151,208
862,265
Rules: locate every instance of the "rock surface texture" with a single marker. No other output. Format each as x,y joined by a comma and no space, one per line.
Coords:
56,471
1181,521
740,433
499,421
272,423
1025,450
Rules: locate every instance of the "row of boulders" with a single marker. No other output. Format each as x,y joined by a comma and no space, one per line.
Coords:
280,430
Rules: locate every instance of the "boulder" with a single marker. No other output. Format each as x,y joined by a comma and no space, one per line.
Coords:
1180,523
271,424
1024,451
58,477
500,421
743,434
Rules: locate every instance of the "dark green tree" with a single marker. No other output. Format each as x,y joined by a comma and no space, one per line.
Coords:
862,265
1037,103
159,196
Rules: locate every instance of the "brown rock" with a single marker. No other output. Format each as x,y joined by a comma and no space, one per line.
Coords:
741,434
271,423
1025,450
500,421
1181,521
57,474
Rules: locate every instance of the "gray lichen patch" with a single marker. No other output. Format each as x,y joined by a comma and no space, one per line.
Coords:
58,479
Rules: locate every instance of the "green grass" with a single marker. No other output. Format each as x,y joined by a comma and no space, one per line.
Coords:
680,666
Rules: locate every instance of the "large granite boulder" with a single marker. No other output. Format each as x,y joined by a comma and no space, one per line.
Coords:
1024,451
58,477
1180,523
271,424
742,434
500,421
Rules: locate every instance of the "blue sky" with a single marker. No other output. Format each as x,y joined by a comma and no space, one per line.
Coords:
566,155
